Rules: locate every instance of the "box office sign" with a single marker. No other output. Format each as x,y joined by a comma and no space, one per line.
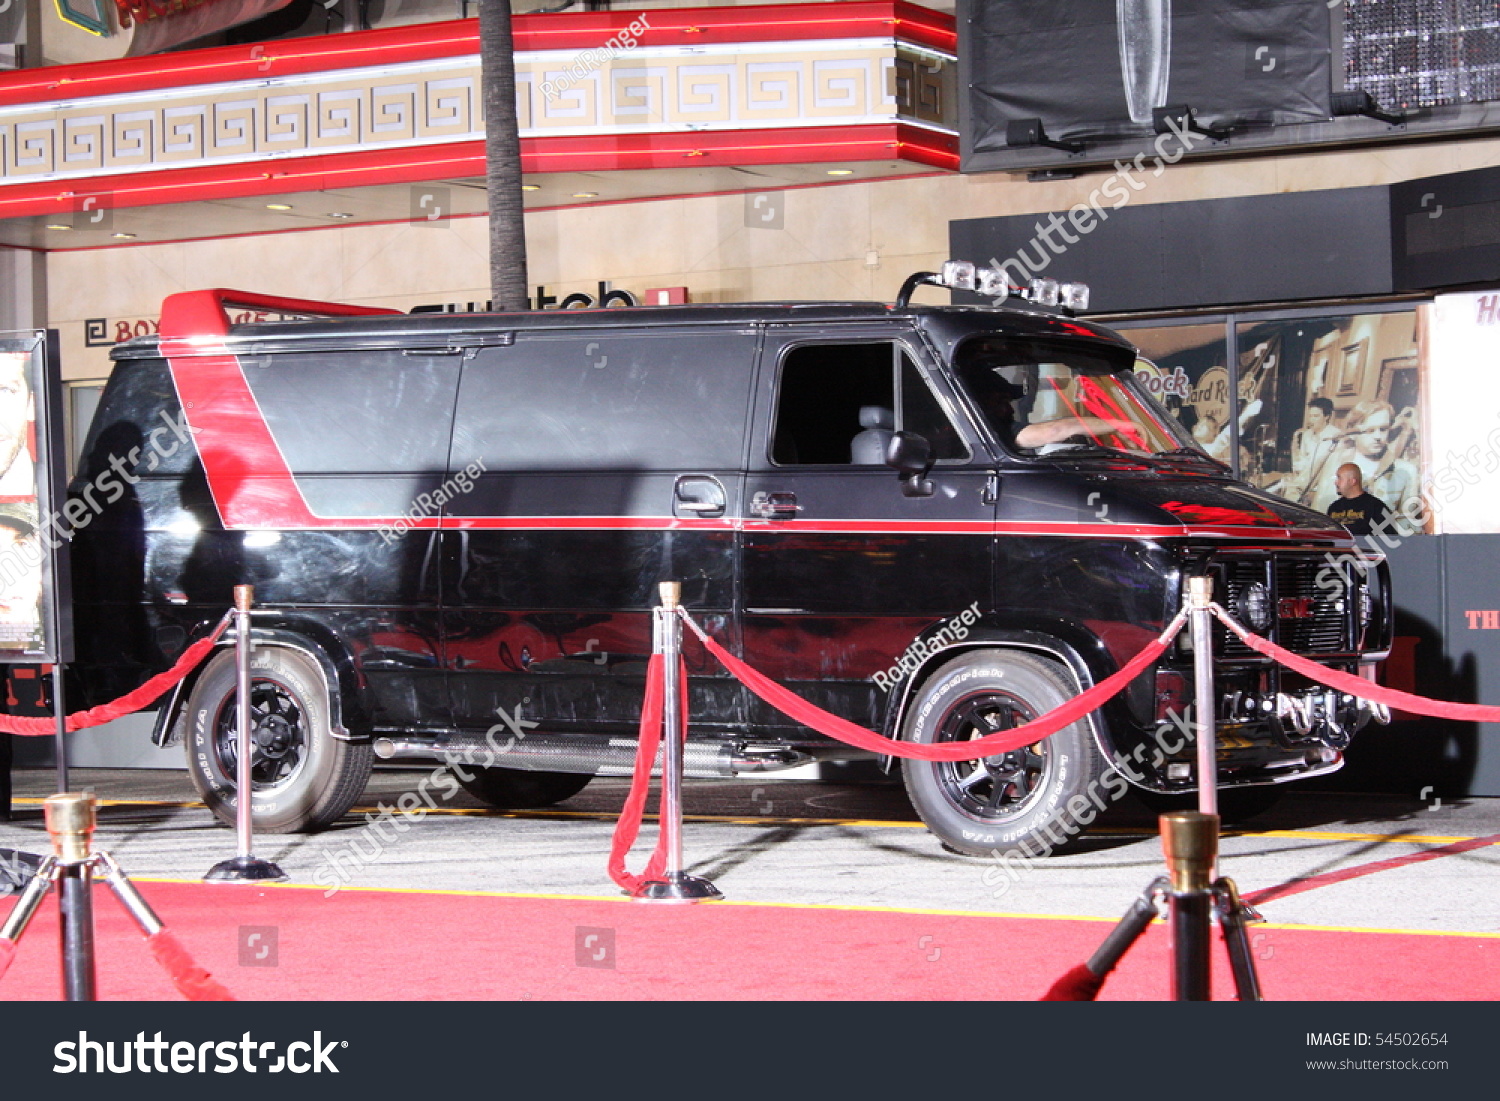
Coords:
34,583
106,332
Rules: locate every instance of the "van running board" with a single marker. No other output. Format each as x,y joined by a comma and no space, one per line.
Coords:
607,755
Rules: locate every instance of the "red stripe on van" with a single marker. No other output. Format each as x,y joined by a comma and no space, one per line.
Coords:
248,477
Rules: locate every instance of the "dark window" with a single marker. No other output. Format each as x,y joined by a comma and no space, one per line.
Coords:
607,400
824,387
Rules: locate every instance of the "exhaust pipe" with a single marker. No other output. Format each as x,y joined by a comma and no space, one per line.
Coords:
596,754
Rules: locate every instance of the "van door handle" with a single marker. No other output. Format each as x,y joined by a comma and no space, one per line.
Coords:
775,506
699,495
991,491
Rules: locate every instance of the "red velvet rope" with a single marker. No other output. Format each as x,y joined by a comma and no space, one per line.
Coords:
1078,985
39,727
192,982
629,825
7,953
1358,686
1003,741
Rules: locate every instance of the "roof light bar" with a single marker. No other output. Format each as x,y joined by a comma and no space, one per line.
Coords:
961,275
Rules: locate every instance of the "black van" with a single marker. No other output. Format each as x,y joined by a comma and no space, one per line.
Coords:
937,522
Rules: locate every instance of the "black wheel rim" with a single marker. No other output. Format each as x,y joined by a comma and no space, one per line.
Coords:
278,735
998,787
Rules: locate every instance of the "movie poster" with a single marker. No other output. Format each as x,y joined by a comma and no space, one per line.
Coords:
1323,393
29,563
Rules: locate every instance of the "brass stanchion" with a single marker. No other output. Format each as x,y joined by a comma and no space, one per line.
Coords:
70,821
1200,618
675,885
245,867
1190,840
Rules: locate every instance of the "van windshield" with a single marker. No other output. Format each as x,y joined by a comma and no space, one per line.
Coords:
1042,396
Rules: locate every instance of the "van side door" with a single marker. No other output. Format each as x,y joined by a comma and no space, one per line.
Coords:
595,463
842,568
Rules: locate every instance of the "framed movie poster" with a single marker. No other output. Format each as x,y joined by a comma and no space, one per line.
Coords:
1320,391
35,605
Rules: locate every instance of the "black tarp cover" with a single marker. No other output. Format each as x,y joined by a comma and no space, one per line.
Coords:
1233,61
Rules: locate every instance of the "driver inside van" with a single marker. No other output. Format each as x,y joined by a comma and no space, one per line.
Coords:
999,398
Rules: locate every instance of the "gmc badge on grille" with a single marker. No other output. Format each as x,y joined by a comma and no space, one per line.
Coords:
1295,607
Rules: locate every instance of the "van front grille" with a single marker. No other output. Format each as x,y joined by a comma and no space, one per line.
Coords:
1306,617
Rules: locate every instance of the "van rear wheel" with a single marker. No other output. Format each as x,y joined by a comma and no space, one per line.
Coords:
302,778
517,789
1011,801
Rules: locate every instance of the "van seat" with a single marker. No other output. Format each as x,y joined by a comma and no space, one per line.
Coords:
868,447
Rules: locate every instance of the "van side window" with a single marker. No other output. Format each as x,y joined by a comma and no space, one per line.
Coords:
837,401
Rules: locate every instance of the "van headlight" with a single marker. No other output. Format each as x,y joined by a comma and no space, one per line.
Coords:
1253,605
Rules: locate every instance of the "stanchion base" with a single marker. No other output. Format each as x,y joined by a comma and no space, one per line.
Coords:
677,888
244,869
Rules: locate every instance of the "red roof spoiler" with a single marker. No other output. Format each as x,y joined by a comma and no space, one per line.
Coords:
200,314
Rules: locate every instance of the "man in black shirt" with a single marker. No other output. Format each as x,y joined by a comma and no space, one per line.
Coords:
1357,510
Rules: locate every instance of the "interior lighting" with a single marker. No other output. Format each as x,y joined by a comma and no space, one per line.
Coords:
1361,102
1024,133
1179,117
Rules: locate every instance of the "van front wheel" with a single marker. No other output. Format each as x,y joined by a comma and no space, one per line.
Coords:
302,778
1016,801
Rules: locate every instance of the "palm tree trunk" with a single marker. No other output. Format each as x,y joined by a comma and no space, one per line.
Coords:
502,146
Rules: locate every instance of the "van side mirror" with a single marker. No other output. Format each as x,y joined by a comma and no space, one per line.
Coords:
910,454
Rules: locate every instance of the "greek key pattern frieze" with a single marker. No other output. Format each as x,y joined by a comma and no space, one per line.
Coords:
639,91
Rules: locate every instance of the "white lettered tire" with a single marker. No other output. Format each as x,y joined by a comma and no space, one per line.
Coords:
302,777
1014,801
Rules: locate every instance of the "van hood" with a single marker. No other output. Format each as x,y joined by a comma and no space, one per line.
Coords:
1195,503
1159,506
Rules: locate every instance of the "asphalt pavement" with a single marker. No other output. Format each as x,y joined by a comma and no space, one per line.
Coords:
1328,859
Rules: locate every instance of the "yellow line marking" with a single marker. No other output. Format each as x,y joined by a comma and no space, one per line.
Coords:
492,812
866,823
36,802
620,898
1403,838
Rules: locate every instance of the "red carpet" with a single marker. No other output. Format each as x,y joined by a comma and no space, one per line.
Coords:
376,945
